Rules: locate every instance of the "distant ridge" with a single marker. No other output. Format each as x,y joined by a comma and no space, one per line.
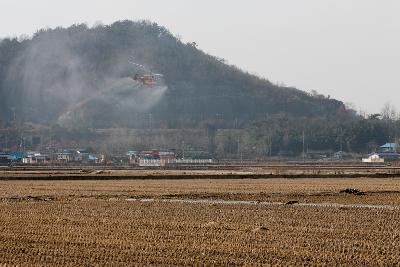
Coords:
43,77
70,84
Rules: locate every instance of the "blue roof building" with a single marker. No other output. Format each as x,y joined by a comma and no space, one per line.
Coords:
8,157
389,147
4,158
389,151
389,155
15,156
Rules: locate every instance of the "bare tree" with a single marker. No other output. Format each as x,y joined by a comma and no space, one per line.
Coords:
389,112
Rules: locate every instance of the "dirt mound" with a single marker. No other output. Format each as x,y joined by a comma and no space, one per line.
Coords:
352,191
260,229
32,198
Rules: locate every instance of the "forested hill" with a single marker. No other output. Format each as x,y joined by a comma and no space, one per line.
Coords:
82,73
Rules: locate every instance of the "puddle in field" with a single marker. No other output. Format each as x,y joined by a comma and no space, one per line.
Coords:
291,203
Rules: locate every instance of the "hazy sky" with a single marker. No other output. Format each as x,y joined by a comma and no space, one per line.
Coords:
349,49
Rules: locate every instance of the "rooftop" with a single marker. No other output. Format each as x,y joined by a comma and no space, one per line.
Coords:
390,145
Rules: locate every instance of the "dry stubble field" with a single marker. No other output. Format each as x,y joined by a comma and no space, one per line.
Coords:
93,223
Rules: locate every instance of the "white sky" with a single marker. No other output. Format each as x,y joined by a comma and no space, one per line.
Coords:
349,49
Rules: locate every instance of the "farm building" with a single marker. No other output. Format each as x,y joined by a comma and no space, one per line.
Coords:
150,154
389,151
9,157
133,157
36,158
389,155
65,156
4,158
373,158
167,155
389,147
82,155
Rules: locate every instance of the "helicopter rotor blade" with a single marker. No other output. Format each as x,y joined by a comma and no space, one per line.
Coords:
138,65
145,68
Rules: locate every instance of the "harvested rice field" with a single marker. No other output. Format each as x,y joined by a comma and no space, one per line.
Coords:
284,222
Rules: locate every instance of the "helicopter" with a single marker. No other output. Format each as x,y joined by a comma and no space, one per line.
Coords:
148,79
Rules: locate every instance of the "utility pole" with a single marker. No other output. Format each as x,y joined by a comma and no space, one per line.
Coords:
150,121
238,146
21,144
183,149
51,137
51,145
270,144
341,144
239,150
6,137
304,154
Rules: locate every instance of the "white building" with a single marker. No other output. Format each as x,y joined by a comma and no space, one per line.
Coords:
36,158
374,158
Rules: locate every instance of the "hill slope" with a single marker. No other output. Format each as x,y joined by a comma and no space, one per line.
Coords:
80,75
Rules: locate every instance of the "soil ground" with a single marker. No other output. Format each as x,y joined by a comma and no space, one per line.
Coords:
93,223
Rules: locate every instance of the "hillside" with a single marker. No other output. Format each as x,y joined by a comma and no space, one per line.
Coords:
80,76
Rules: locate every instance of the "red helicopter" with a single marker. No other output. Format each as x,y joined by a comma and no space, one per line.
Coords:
149,79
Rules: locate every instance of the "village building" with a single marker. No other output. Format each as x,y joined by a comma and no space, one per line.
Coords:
81,155
373,158
36,158
65,156
389,147
389,151
167,155
133,157
4,158
150,154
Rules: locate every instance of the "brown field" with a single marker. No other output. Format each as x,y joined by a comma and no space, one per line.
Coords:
197,171
377,191
92,223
